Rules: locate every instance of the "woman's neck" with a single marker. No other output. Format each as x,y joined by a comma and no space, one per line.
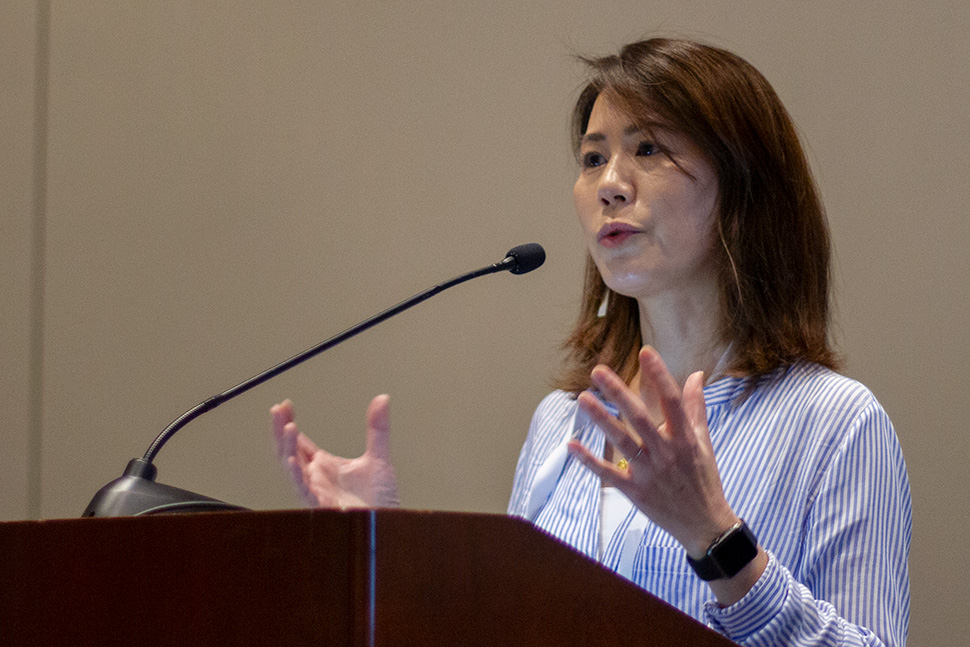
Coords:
686,333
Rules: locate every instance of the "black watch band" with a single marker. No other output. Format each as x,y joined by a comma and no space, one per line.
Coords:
729,553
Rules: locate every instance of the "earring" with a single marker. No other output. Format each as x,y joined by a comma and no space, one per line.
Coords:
604,305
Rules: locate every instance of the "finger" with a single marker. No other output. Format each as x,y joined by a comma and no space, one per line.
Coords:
299,483
616,432
630,405
650,398
379,427
305,449
653,369
608,473
694,406
282,414
289,444
295,467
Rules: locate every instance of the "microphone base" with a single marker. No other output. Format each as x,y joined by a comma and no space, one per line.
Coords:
136,493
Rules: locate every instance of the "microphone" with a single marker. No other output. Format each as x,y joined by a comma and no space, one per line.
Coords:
137,493
525,258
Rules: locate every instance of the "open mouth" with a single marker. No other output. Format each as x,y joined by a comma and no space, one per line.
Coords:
614,234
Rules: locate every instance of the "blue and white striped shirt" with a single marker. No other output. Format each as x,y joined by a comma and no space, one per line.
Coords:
809,459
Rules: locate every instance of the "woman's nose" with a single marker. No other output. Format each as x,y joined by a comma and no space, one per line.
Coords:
614,189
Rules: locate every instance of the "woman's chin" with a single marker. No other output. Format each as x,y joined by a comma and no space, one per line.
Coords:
628,280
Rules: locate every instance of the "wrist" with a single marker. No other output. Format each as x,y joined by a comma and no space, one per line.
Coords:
730,591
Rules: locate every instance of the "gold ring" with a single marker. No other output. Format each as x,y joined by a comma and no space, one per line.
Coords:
624,463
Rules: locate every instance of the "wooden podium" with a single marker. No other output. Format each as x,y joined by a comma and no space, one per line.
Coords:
316,577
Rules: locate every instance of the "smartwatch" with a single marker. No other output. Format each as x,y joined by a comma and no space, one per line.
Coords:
729,553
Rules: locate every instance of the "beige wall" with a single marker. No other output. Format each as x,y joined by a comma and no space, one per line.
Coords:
194,191
19,213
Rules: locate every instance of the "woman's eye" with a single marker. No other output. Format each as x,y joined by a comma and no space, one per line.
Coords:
647,148
591,160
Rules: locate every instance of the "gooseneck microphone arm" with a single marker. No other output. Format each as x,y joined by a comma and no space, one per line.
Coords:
131,493
519,260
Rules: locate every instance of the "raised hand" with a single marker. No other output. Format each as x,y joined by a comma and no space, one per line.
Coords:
671,474
327,481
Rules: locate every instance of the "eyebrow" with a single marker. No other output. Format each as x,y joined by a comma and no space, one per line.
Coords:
633,129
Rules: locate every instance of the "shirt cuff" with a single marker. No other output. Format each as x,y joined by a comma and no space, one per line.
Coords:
756,609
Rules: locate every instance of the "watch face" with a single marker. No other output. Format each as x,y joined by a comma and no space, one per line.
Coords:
729,553
734,551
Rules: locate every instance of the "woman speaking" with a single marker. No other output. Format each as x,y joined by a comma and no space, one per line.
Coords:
700,442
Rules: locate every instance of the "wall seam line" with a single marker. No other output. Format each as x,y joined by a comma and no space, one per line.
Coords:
38,267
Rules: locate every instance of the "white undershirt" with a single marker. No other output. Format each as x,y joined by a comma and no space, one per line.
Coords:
614,509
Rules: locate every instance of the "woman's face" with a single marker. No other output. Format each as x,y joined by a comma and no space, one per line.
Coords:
648,222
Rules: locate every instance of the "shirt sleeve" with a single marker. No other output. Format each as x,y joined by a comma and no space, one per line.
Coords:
547,421
522,477
853,584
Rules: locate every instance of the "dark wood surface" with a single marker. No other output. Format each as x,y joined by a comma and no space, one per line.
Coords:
528,589
304,578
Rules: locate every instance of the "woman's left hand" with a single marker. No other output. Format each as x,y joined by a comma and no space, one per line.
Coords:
671,474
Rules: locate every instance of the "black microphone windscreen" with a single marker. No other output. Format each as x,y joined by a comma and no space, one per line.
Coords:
527,257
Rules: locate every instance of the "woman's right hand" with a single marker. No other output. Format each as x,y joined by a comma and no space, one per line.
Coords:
326,481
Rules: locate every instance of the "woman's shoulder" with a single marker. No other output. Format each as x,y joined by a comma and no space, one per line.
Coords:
813,398
818,385
804,383
556,405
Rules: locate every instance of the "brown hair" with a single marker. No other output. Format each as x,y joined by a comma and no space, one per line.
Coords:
773,256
